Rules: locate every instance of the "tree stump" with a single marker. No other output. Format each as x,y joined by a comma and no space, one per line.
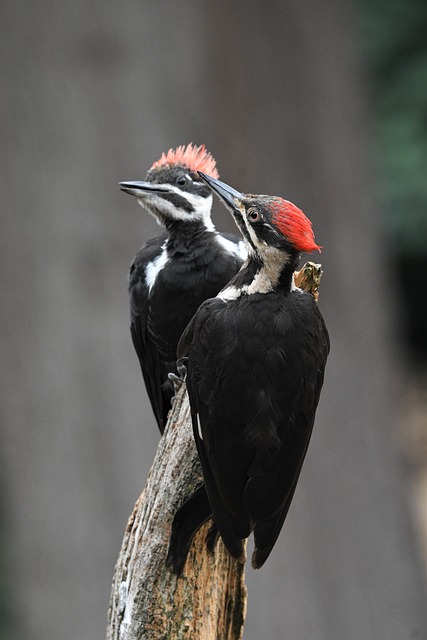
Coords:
148,601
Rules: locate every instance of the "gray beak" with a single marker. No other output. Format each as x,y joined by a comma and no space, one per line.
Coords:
139,189
228,195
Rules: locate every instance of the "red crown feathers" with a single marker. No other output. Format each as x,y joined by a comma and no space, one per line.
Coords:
294,224
195,158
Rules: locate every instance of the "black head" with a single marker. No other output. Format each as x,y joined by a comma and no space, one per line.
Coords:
173,190
266,222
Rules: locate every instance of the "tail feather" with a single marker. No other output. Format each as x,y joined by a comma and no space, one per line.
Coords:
266,533
187,521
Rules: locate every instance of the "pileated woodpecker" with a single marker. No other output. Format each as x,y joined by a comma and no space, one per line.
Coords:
256,359
176,271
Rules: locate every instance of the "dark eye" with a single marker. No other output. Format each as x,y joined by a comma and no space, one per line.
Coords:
253,215
182,180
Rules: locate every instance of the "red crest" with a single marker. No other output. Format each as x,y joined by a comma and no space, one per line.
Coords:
294,224
195,158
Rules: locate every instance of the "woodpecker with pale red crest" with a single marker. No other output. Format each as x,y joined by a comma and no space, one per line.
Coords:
176,271
256,355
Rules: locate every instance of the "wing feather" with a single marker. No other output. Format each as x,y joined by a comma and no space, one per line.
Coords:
139,315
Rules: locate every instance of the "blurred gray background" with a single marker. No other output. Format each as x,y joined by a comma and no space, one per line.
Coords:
92,93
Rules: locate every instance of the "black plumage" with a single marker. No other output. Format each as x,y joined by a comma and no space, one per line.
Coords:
176,271
256,358
254,377
195,270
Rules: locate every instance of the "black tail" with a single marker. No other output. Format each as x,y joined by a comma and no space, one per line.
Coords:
187,521
266,532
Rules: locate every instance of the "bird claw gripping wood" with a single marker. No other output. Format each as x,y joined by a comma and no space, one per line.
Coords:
308,278
179,380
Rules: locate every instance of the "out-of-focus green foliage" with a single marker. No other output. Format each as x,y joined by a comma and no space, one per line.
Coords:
395,39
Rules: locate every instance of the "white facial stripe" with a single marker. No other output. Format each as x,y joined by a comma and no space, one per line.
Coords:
251,232
264,280
199,203
202,206
273,255
274,261
153,268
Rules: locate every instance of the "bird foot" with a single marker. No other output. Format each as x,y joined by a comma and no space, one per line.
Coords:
179,380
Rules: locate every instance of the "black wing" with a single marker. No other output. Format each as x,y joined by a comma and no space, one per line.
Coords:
139,312
254,384
157,324
207,314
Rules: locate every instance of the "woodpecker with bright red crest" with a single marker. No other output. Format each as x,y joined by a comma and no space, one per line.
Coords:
256,355
176,271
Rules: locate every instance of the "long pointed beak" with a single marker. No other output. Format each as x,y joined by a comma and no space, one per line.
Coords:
228,195
139,189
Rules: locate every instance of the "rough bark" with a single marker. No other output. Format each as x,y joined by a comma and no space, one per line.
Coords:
208,601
